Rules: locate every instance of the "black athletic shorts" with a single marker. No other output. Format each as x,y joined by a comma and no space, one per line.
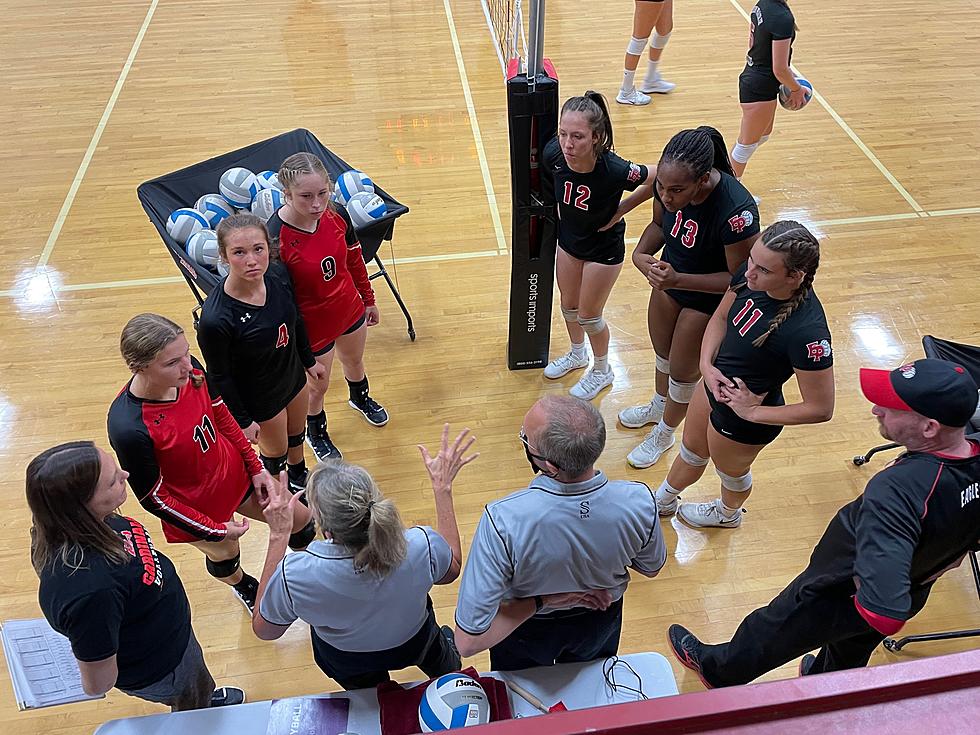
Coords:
727,423
268,405
607,256
706,303
353,328
757,86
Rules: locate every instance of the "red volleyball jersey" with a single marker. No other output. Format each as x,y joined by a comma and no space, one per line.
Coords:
329,277
188,461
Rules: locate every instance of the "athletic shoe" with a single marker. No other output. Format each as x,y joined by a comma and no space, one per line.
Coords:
657,86
591,384
319,441
666,501
247,595
297,482
687,648
565,364
227,696
636,417
806,664
373,412
633,97
650,449
704,515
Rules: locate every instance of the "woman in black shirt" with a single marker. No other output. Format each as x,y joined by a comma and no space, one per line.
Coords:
256,349
106,588
772,31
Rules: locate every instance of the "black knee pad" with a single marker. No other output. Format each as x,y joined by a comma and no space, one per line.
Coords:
302,538
296,440
274,465
223,569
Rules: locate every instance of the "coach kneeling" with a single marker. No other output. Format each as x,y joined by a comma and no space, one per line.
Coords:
549,564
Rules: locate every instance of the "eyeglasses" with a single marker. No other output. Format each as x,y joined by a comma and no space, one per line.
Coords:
527,448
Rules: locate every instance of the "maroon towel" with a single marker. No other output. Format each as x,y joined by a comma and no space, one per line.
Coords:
400,706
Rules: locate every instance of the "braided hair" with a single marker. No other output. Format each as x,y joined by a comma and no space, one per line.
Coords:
593,106
700,149
801,252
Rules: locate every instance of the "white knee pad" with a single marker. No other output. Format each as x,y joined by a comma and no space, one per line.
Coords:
636,46
592,325
735,484
570,315
742,153
658,41
689,457
680,392
663,365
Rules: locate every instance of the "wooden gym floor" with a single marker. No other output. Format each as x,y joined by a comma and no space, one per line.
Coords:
101,96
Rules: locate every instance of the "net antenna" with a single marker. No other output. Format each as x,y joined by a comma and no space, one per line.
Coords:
505,19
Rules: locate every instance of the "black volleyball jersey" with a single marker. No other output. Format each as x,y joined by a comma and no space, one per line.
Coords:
696,236
588,201
770,21
255,354
802,342
915,519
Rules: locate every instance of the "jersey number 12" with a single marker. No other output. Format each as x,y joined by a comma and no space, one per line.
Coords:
582,200
204,434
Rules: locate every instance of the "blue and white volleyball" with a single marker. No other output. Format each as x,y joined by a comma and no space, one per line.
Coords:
269,180
184,222
239,186
222,268
807,93
203,248
215,208
364,208
350,183
266,203
451,701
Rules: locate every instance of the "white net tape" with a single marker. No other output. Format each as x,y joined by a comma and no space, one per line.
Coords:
505,18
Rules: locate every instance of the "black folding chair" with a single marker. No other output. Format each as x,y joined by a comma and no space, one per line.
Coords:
969,357
164,194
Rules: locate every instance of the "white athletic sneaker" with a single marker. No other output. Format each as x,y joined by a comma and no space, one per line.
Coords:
636,416
564,365
633,97
591,383
650,449
704,515
658,86
666,502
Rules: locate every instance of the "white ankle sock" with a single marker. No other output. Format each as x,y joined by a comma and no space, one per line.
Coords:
628,77
726,511
668,488
659,402
578,350
666,430
601,364
652,74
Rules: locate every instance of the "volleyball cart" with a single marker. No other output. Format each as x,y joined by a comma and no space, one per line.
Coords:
164,194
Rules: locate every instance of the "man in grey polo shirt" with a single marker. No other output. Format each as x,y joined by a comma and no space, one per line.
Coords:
549,564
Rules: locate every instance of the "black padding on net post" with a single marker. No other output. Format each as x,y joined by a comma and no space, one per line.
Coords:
533,120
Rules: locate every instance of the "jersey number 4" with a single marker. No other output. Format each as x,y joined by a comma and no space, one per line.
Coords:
582,200
690,230
283,338
204,434
329,267
756,316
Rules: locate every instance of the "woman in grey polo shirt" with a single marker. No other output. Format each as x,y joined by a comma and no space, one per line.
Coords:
364,589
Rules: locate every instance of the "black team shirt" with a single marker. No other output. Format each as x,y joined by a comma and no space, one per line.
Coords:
136,610
256,355
771,21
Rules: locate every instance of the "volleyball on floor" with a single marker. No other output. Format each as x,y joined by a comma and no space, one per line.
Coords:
266,203
451,701
807,93
350,183
215,208
239,186
184,222
203,248
364,208
268,180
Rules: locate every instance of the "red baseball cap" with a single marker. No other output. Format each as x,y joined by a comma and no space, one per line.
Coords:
936,389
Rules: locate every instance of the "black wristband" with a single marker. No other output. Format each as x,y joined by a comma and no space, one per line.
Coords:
538,603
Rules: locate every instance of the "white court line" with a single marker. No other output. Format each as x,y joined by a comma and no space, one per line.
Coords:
951,212
475,125
852,135
59,223
493,36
